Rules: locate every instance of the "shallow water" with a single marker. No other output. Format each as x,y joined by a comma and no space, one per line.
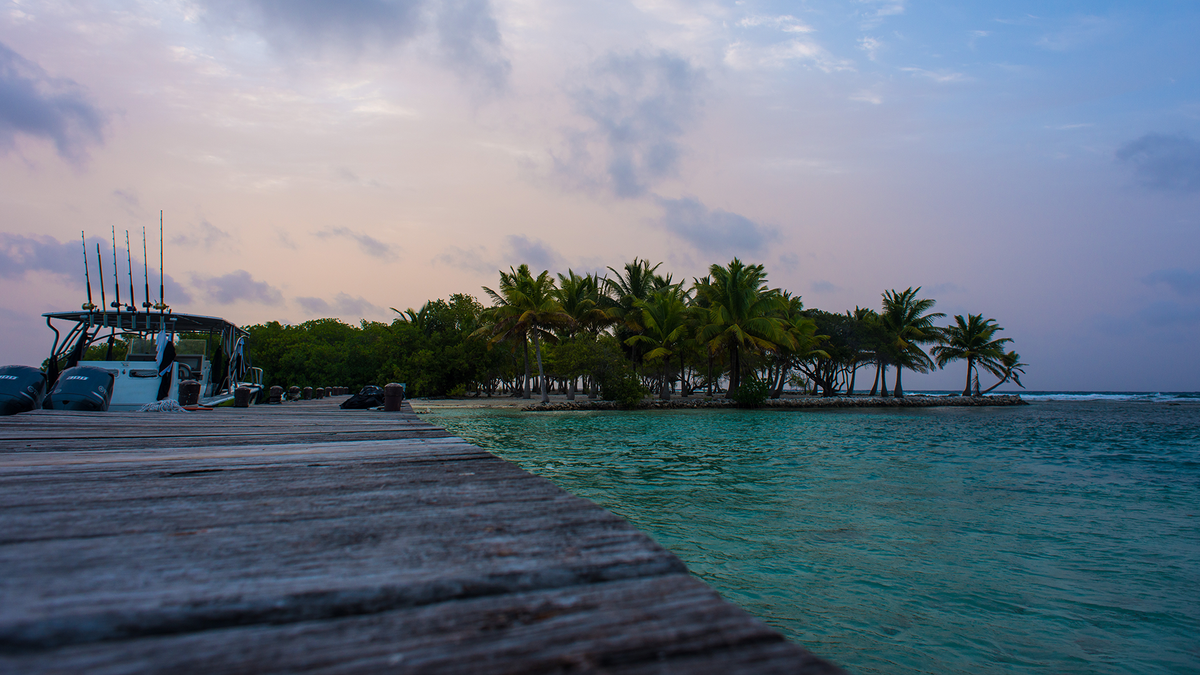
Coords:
1059,537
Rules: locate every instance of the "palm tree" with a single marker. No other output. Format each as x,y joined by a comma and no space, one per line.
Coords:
1009,368
973,339
908,326
741,314
664,329
580,299
802,345
636,282
525,306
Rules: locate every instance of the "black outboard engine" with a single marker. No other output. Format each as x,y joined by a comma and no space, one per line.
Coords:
21,389
370,397
81,388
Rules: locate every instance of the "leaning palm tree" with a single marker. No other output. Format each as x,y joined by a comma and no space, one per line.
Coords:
741,315
525,307
974,340
908,326
1009,368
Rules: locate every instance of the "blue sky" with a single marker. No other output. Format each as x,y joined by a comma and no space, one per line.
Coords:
1037,163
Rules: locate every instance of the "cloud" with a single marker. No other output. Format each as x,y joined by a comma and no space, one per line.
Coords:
1168,314
781,54
205,235
20,254
878,10
1164,161
129,200
786,23
824,287
636,106
941,76
343,305
870,45
366,243
467,37
238,286
34,104
1079,33
714,231
1181,281
536,253
474,259
470,41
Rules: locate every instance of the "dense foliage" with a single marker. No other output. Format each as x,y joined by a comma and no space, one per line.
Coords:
632,333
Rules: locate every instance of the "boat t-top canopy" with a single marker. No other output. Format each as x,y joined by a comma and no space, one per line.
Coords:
137,322
89,325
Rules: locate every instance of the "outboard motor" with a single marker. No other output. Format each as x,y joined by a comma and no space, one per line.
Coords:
21,389
81,388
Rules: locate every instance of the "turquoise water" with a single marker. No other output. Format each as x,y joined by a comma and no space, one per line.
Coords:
1059,537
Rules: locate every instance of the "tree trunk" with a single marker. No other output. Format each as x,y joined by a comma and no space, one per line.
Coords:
883,388
537,345
899,389
735,374
853,374
1002,381
664,392
571,389
875,383
970,365
527,385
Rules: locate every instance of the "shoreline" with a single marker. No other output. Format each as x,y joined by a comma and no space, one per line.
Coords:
559,403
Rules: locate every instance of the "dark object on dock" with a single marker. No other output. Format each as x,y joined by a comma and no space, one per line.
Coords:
21,389
81,388
369,396
307,539
307,393
241,397
276,395
189,392
319,393
393,397
293,393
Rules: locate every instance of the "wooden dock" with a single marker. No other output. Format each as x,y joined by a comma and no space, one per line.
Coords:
304,538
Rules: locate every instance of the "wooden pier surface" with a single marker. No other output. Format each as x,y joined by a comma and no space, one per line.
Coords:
304,538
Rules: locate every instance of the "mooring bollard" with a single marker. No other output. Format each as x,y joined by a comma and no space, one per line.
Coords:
276,395
241,397
307,393
393,397
189,392
293,393
319,392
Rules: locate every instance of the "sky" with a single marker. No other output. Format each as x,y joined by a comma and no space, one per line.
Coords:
1038,163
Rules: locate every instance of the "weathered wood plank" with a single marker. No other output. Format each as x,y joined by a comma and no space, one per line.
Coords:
666,624
278,541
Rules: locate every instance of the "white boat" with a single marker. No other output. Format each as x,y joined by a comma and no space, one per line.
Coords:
146,373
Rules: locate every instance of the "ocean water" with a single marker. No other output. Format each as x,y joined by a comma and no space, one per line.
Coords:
1058,537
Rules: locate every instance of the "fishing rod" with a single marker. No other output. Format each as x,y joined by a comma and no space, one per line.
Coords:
129,260
161,304
116,272
86,275
100,270
145,271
